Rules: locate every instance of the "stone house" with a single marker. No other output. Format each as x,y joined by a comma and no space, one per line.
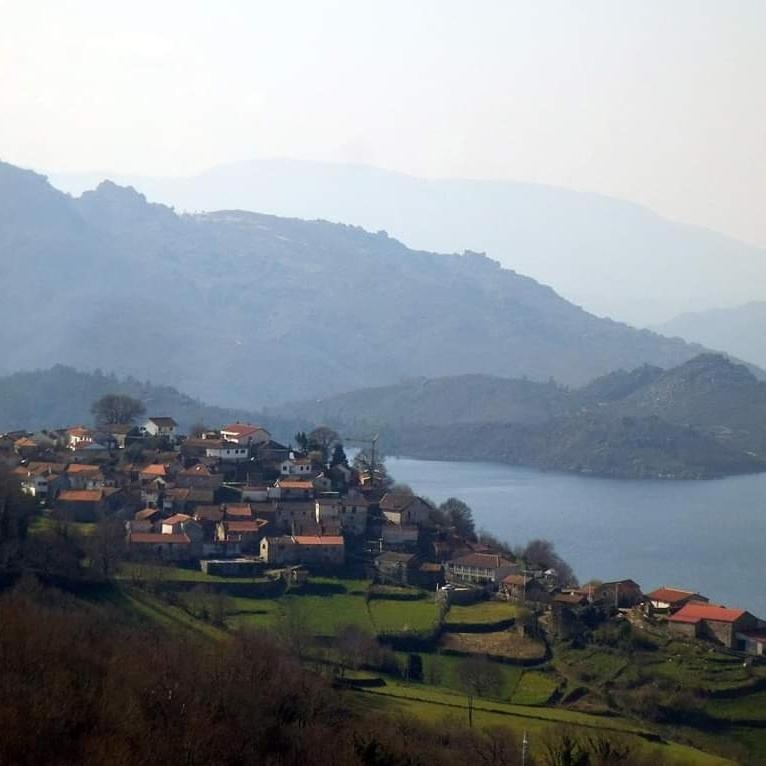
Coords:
714,623
405,510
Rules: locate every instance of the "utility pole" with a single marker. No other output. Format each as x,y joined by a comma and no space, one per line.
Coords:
373,442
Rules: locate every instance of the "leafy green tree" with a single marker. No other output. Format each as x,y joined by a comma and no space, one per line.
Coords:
113,409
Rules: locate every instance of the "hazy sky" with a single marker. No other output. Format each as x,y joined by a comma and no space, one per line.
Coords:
660,102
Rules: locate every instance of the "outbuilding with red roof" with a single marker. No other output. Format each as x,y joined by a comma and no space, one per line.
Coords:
668,599
714,623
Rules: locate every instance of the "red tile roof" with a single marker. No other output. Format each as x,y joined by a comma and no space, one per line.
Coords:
79,431
295,484
671,595
482,561
569,598
245,526
694,612
155,469
517,579
156,537
318,540
177,518
83,468
240,510
25,441
241,429
81,495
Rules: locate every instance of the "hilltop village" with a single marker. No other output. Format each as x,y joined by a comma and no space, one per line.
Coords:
234,502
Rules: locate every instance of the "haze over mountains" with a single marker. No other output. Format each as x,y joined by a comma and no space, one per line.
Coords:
613,257
740,330
245,309
704,418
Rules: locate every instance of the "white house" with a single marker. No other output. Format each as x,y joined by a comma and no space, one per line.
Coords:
231,452
78,435
160,426
296,466
245,434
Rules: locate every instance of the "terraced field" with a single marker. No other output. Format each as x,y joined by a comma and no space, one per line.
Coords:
436,705
484,613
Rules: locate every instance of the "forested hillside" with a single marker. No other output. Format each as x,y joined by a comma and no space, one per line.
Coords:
704,418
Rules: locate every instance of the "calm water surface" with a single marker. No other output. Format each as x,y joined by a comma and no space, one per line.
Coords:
708,536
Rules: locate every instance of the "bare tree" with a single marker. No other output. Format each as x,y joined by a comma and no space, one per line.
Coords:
459,515
477,677
323,438
373,466
106,547
112,409
294,630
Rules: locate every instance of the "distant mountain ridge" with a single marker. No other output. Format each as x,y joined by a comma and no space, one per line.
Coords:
613,257
248,309
739,330
704,418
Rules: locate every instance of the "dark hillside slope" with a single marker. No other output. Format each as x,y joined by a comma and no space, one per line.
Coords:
620,448
704,418
62,396
709,392
438,401
247,309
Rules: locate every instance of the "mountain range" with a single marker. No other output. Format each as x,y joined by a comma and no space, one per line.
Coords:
739,330
702,419
613,257
247,309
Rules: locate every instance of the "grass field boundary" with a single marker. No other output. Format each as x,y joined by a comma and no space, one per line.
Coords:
479,706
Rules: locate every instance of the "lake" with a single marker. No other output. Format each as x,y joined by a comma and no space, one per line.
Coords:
708,536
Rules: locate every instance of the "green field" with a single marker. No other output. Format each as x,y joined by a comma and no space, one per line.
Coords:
443,670
164,573
483,613
397,616
524,697
534,688
436,705
45,523
440,706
